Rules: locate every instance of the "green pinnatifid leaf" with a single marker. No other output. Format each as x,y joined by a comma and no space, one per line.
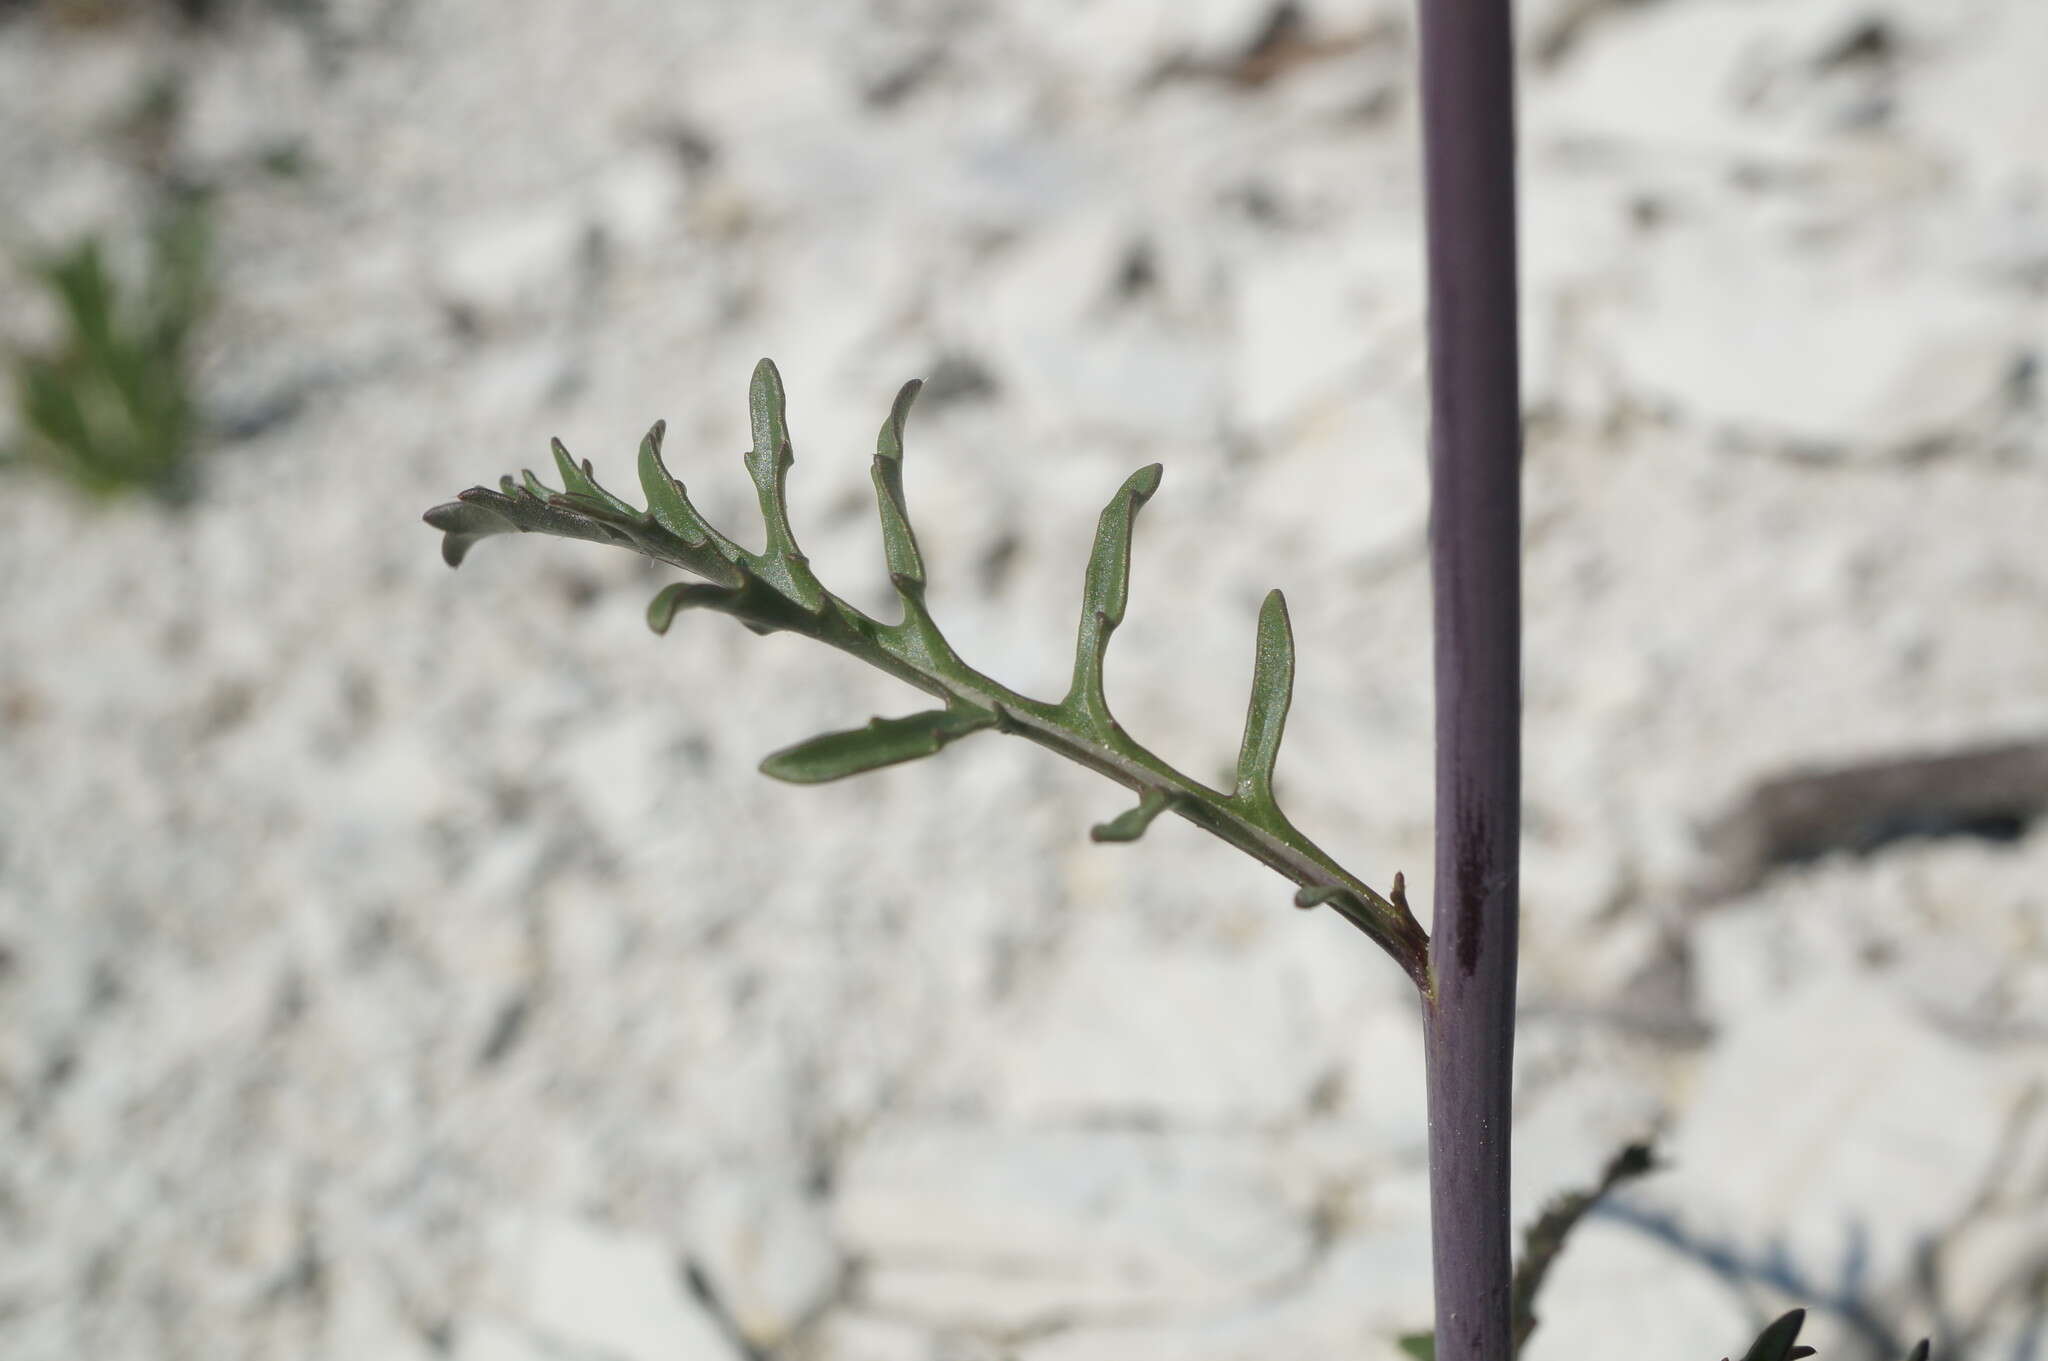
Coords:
883,742
1131,825
1272,691
1106,592
899,543
1421,1346
775,591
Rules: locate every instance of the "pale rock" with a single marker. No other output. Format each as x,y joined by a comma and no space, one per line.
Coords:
1536,19
1948,919
1997,1249
1571,876
1680,78
1002,1227
1112,48
944,1295
1740,961
1371,1286
768,1250
90,193
1659,74
1574,238
1984,109
1386,1085
502,269
1310,321
617,1292
526,374
508,868
1212,28
1567,1131
764,84
1195,1036
491,1339
1355,464
621,766
1071,354
639,201
1617,1292
1833,1110
230,106
783,121
1747,339
844,1335
389,785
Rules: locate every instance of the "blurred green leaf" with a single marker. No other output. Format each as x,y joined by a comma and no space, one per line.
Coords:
1776,1343
109,407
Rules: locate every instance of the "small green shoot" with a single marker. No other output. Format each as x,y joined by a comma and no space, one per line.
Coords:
109,407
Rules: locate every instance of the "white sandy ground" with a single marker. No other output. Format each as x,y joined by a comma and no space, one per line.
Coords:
401,964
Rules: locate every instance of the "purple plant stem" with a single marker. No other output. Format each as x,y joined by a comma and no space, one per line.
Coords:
1475,566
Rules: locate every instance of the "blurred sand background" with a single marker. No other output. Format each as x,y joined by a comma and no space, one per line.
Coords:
405,964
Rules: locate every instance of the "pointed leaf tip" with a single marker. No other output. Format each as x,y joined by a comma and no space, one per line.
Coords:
1919,1352
890,443
1130,825
883,742
899,542
1775,1343
1272,692
666,499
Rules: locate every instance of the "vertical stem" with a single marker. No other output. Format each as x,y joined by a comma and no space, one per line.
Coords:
1475,567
